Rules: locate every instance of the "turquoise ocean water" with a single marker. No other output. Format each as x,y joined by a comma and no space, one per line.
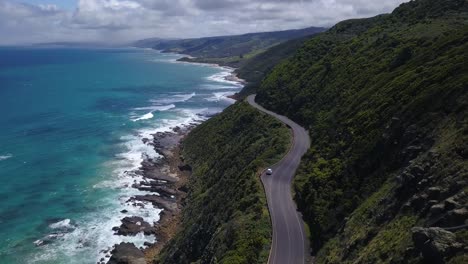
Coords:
72,121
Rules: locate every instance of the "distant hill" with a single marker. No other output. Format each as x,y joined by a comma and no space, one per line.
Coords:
227,50
68,44
254,69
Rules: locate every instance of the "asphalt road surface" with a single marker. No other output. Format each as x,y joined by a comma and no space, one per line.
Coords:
289,245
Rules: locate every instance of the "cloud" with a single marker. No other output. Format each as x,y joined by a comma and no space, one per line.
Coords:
126,20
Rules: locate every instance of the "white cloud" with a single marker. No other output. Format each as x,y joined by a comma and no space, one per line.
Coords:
127,20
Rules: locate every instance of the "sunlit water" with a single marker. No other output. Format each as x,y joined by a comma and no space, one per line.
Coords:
72,121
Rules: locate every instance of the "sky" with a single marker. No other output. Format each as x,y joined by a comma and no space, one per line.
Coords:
123,21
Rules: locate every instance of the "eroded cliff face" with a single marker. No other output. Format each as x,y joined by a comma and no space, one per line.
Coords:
420,213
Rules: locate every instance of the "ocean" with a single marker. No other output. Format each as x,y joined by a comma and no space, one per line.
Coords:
72,122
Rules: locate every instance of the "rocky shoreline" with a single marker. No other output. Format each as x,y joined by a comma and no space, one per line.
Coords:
164,180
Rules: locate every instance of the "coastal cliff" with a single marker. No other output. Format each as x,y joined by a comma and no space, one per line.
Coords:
385,179
385,100
225,218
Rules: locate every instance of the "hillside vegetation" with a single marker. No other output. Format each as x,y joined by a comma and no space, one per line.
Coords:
227,50
256,68
225,219
385,101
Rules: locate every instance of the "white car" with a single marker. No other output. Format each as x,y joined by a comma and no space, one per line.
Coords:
269,171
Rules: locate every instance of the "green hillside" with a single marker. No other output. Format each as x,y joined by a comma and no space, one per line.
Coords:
227,50
385,100
256,68
225,219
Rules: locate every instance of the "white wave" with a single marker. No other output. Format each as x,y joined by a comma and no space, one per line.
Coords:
6,156
94,238
93,232
144,117
218,87
63,224
156,107
122,167
152,109
165,60
221,77
176,98
221,96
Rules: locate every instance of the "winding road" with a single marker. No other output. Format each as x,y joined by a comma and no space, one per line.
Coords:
290,244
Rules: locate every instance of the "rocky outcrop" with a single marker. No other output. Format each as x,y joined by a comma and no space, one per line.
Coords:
435,244
134,225
160,184
185,167
157,187
156,200
126,253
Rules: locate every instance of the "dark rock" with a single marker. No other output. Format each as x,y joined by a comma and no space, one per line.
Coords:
406,207
412,152
437,209
430,203
462,151
456,186
157,174
162,190
124,211
450,204
133,225
148,244
433,192
416,170
126,253
183,188
455,217
418,201
185,167
435,243
156,200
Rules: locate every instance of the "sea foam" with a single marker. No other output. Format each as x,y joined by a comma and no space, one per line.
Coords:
222,77
173,98
6,156
154,108
145,116
219,96
95,230
63,224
